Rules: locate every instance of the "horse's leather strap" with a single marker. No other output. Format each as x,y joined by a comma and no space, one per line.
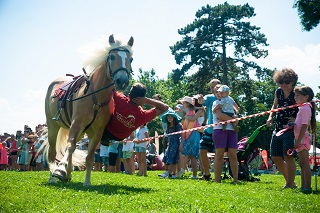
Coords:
96,107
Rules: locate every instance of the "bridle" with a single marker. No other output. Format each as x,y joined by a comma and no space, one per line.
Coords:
112,73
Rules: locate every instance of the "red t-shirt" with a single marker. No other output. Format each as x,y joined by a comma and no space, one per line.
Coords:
127,117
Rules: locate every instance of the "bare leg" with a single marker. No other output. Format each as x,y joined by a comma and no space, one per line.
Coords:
172,169
194,166
291,170
133,168
204,162
232,154
305,169
281,165
218,164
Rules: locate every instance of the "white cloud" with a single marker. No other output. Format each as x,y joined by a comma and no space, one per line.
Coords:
305,62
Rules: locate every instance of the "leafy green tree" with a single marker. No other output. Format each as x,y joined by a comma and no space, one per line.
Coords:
309,13
214,31
169,91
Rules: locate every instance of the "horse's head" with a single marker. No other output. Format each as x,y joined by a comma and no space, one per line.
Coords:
119,63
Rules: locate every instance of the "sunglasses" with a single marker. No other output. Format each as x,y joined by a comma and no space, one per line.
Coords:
284,82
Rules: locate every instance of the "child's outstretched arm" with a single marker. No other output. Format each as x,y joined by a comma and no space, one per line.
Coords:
236,107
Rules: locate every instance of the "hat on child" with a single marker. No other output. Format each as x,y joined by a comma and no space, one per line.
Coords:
187,99
224,88
173,114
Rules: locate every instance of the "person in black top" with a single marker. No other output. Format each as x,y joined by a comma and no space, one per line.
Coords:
283,136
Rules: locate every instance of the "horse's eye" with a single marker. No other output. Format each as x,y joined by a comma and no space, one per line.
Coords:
112,57
131,59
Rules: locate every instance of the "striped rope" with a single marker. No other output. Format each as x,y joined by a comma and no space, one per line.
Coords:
229,121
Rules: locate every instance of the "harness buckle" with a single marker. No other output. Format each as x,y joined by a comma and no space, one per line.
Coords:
96,106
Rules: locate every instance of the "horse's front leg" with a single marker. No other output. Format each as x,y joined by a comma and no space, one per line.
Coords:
52,137
90,159
65,166
72,140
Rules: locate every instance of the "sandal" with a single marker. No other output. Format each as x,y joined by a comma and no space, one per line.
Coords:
205,177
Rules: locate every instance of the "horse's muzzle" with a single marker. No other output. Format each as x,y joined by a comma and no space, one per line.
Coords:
121,81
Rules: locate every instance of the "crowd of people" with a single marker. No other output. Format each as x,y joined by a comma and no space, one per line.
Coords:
19,152
188,150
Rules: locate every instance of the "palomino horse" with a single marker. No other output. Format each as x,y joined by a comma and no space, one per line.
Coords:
87,109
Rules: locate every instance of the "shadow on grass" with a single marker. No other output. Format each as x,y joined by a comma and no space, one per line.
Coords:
107,189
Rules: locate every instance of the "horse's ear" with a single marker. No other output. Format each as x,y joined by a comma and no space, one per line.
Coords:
111,39
130,42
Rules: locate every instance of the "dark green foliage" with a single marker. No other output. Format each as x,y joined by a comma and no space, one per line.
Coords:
214,31
309,13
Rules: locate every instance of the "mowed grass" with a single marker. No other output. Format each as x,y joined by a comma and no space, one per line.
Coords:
115,192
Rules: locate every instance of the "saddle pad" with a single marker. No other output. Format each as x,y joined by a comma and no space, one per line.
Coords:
69,87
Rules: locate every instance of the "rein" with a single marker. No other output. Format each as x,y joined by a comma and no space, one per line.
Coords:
105,87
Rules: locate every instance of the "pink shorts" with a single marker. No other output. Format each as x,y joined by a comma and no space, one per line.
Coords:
305,144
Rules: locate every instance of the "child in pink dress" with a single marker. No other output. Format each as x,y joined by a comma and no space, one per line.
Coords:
3,156
306,112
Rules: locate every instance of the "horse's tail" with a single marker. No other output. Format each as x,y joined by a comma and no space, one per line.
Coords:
43,149
78,156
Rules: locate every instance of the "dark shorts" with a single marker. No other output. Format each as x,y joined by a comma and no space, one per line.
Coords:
225,139
107,136
206,141
14,153
120,153
97,158
105,160
113,158
281,144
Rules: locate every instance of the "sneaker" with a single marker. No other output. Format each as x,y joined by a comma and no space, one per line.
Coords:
289,187
205,177
194,177
172,177
166,173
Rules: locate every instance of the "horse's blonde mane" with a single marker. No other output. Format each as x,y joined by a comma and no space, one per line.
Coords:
96,53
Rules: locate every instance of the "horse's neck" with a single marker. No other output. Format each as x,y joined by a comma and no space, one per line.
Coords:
99,79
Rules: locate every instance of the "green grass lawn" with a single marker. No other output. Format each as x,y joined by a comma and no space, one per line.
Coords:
115,192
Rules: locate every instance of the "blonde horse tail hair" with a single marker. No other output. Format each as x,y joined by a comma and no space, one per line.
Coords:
44,148
78,156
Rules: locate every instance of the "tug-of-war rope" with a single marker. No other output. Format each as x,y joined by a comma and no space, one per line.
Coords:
228,121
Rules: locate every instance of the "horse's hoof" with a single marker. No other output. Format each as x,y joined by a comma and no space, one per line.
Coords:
61,175
87,184
68,179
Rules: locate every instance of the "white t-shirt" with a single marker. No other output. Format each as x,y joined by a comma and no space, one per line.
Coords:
128,146
140,135
104,151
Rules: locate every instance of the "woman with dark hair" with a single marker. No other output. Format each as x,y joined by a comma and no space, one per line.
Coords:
283,136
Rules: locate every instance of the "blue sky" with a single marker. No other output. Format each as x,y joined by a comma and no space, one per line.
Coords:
40,41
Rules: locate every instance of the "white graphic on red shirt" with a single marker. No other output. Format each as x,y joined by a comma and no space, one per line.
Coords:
126,121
